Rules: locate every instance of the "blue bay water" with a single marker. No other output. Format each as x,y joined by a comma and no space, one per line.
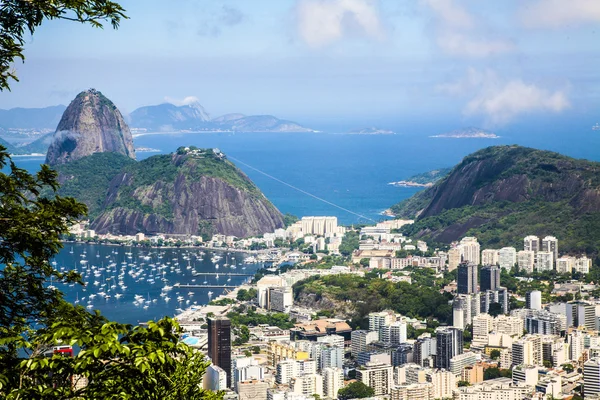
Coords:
123,272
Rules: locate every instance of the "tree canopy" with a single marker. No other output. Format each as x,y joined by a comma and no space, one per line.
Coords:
355,390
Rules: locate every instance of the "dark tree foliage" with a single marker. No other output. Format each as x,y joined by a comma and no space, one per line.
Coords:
355,390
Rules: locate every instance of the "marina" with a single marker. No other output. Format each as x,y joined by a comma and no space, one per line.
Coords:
136,284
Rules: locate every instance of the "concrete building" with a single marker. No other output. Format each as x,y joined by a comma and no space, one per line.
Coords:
361,339
308,385
246,369
414,391
470,250
449,343
281,299
394,333
380,377
467,278
527,351
319,225
526,261
444,383
583,265
454,258
525,374
377,320
252,390
490,278
531,243
333,381
507,257
565,264
550,244
591,377
489,257
460,361
533,300
493,391
472,374
215,378
424,349
219,344
544,261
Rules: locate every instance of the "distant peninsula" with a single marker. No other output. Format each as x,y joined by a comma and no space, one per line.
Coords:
371,131
468,133
426,179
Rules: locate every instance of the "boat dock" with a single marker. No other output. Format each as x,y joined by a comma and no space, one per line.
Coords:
179,285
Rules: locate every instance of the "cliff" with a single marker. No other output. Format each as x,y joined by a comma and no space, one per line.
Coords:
502,193
90,124
192,191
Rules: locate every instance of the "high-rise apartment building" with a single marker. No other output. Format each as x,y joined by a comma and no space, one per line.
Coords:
531,243
544,261
490,278
526,260
470,250
489,257
507,257
219,344
454,258
467,278
533,300
333,381
449,343
380,377
550,244
591,377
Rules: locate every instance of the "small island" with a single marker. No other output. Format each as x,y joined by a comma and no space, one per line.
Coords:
371,131
425,179
468,133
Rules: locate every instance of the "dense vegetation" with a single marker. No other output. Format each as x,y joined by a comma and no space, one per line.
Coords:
507,193
88,178
355,390
430,176
370,293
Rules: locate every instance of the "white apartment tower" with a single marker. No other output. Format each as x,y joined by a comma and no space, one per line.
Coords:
545,261
507,257
489,257
526,260
470,250
550,244
531,243
333,381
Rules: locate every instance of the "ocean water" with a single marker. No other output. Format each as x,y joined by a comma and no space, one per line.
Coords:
122,273
351,172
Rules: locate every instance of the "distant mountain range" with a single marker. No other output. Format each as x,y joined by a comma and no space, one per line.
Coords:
19,124
193,117
31,118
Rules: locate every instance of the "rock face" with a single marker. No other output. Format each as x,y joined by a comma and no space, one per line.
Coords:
90,124
502,193
190,192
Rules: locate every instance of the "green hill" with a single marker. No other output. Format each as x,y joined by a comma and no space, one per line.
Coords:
502,193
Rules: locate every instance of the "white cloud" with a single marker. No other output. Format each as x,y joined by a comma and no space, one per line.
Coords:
459,34
501,101
322,22
557,13
182,102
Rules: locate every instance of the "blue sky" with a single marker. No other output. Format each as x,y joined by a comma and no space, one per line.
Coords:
472,62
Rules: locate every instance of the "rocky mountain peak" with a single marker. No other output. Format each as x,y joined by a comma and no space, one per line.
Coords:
90,124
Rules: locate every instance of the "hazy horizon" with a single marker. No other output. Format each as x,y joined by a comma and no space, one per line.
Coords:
365,62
